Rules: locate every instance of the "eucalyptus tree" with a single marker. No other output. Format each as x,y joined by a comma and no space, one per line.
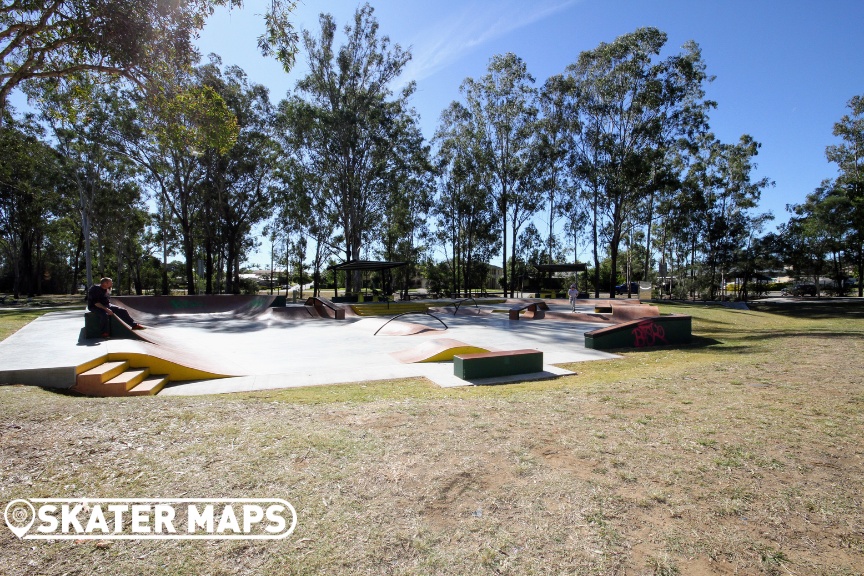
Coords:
410,189
306,207
629,107
120,217
139,41
680,225
83,115
524,204
530,249
503,105
166,135
30,176
583,205
553,144
731,195
238,185
464,209
822,230
64,243
350,120
849,157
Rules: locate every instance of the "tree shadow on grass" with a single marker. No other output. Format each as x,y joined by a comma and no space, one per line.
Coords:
57,391
824,308
739,343
822,335
65,392
813,310
695,344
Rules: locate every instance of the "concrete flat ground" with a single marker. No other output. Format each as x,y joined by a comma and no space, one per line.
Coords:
269,351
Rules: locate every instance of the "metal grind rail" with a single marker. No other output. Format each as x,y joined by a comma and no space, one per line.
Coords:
427,313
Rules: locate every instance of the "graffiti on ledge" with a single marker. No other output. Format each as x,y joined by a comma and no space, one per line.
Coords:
648,334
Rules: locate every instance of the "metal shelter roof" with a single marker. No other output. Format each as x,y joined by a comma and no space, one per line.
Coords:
575,267
367,265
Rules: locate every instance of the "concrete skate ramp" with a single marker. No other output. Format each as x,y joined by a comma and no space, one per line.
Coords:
179,348
579,317
304,312
176,362
620,313
437,350
462,311
383,327
142,308
121,330
627,312
397,328
294,312
642,333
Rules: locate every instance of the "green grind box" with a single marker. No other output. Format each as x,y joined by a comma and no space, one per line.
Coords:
494,364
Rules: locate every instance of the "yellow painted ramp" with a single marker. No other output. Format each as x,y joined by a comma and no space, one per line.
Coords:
437,350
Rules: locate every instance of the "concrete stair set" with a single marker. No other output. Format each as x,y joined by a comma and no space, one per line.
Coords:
117,378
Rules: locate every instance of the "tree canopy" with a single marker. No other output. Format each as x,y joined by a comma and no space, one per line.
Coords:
137,40
618,147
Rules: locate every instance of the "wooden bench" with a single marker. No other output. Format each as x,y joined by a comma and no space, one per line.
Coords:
534,310
494,364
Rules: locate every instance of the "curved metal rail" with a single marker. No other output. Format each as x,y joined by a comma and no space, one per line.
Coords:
460,302
405,314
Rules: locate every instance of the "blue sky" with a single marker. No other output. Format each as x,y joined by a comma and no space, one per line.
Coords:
784,69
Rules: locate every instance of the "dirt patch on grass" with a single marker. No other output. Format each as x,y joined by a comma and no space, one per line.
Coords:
739,455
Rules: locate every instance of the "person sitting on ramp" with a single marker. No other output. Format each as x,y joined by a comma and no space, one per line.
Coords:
99,301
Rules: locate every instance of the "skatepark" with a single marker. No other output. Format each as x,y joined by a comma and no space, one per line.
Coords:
219,344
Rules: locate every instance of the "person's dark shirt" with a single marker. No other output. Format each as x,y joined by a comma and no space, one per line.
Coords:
97,294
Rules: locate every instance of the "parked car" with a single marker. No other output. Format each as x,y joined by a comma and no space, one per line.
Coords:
622,288
800,290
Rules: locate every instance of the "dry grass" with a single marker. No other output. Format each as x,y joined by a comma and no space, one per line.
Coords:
739,455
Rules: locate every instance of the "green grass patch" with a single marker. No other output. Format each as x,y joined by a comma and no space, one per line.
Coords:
740,453
12,320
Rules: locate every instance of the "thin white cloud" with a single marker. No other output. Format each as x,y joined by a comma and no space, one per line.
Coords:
475,26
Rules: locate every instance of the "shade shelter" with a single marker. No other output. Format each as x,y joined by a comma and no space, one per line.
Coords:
553,268
758,280
366,266
575,267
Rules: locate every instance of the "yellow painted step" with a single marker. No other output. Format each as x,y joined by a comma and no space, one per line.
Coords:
149,386
95,377
123,382
384,310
